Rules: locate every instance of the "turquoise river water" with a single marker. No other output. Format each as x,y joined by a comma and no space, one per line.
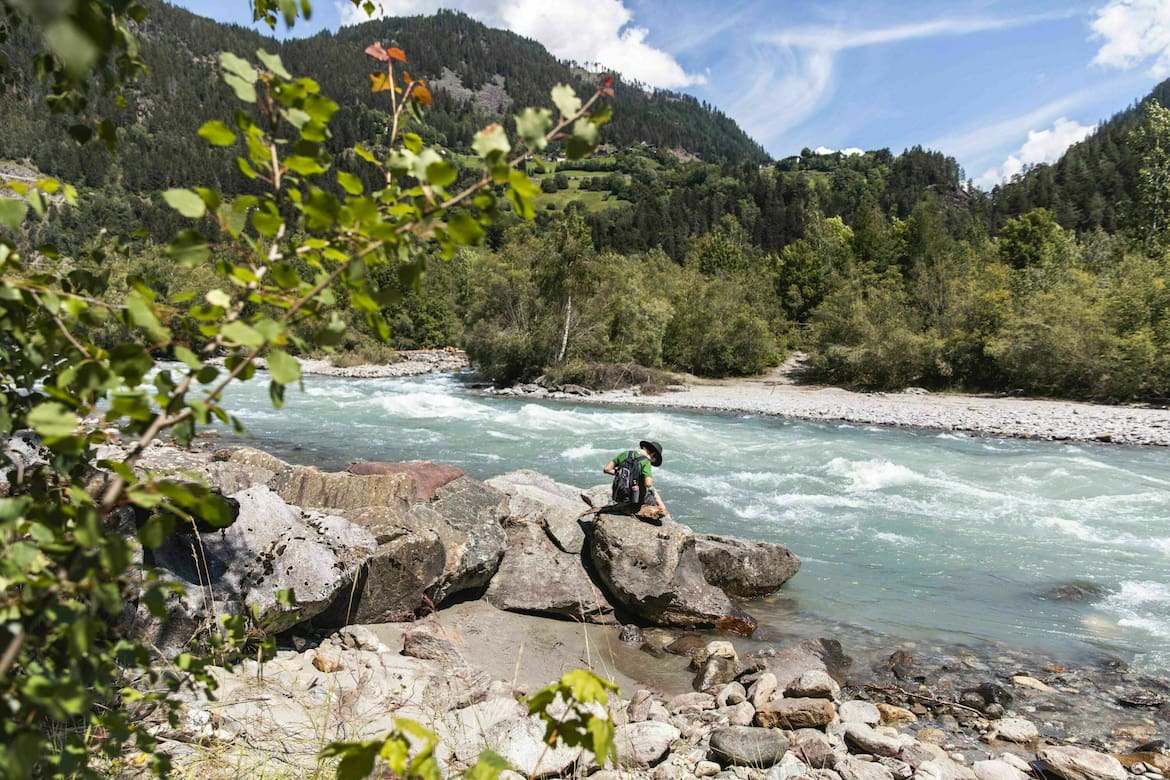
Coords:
905,535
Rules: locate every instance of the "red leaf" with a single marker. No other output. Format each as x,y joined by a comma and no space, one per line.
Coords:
607,81
376,51
397,54
422,94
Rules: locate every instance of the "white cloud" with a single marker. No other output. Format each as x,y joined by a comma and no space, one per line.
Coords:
1042,146
848,151
1134,32
586,31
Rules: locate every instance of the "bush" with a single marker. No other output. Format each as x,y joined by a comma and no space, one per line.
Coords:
714,333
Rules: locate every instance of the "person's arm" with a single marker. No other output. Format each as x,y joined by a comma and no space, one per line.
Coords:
608,467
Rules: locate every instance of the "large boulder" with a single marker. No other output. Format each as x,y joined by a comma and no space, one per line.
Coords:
655,573
745,569
270,548
393,584
1077,763
467,515
538,577
535,498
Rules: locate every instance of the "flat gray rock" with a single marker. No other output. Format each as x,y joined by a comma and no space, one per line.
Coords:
748,746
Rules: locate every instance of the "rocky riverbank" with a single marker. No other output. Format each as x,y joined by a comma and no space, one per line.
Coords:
436,607
780,393
777,393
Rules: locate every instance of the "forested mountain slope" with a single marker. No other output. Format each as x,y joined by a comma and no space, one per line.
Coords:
1090,186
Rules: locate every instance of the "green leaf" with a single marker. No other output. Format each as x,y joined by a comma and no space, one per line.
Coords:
188,358
488,766
237,65
412,141
188,248
350,183
441,173
52,420
304,165
464,229
283,367
533,124
242,333
12,211
273,63
217,133
565,99
586,131
491,142
186,202
245,90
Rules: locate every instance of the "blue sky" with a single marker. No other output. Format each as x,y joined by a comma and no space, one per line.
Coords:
996,84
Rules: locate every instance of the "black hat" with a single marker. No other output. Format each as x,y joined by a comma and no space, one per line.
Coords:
655,450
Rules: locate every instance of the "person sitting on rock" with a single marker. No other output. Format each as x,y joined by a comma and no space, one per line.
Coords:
633,481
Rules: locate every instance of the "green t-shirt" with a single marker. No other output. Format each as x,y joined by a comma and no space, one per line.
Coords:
645,462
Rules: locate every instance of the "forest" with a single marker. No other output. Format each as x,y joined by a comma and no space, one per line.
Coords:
679,246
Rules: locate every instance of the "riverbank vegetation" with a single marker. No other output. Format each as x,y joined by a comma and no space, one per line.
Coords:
675,253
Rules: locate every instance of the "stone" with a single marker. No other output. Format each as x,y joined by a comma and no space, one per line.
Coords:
932,735
763,690
812,654
995,769
643,744
732,693
892,715
1017,730
853,768
813,684
748,746
426,476
795,713
706,769
858,711
742,714
745,569
1158,762
466,729
467,516
521,744
272,547
716,672
898,768
655,573
536,498
866,739
813,748
691,701
393,585
535,576
1076,763
1025,681
638,709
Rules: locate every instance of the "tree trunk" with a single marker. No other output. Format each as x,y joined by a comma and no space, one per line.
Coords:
565,335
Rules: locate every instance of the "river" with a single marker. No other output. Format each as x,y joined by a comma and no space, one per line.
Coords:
905,536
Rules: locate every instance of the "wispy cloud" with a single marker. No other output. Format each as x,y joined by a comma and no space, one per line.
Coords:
809,54
1134,32
586,31
828,38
